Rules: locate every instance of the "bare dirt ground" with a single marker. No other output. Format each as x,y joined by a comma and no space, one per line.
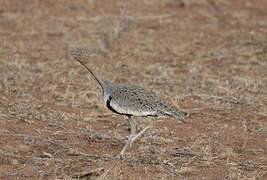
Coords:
208,57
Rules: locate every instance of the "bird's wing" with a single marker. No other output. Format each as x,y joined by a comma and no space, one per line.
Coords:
125,100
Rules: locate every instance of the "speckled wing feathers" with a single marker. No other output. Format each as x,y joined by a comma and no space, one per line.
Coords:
136,101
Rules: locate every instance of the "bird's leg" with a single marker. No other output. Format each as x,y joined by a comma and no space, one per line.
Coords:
132,135
142,132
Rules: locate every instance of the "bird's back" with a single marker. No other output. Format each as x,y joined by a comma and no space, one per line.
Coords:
136,101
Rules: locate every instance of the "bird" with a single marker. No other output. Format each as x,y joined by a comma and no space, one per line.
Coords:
129,100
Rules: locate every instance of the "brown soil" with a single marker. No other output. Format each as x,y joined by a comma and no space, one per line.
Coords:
208,57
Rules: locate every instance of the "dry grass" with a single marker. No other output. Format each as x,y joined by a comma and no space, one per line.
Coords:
202,56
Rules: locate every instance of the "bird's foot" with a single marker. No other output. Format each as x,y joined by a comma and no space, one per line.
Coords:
186,114
119,157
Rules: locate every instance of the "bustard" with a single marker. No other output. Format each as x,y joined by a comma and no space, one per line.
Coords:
130,101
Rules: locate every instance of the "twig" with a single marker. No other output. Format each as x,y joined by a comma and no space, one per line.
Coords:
36,137
95,172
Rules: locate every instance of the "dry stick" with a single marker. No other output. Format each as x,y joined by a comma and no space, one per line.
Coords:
52,142
47,140
36,137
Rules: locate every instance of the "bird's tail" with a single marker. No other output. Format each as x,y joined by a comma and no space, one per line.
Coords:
180,116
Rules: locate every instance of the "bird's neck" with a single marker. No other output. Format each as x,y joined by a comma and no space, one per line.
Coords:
106,90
